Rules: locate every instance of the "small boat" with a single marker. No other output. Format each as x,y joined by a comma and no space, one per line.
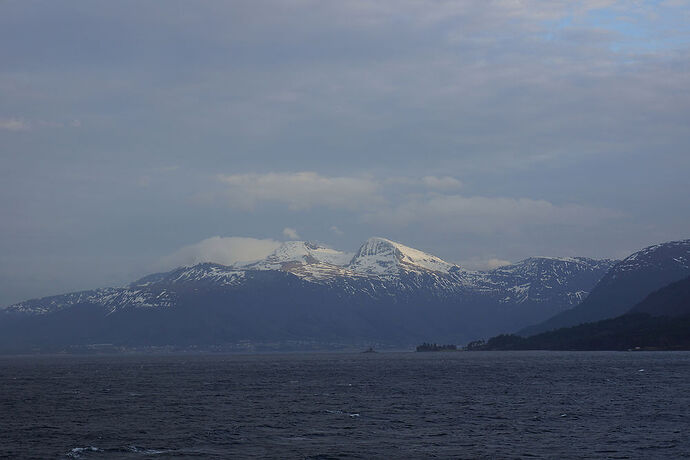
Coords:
370,350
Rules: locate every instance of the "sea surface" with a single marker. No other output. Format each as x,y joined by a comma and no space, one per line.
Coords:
384,405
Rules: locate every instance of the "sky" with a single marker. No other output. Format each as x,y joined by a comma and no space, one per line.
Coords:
136,136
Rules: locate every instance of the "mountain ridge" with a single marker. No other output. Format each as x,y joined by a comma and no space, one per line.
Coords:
298,258
627,283
386,293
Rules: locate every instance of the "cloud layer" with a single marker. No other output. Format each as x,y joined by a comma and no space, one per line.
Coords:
403,201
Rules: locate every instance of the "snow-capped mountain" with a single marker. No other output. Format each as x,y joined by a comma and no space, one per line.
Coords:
626,284
542,278
386,292
382,257
377,257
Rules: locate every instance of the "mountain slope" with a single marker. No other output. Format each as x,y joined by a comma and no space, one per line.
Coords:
626,284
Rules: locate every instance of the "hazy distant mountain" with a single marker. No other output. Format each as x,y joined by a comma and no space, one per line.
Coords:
305,294
626,284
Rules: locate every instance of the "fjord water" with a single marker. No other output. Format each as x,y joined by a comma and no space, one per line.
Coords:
385,405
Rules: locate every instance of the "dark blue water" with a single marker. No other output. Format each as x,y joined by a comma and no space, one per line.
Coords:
386,405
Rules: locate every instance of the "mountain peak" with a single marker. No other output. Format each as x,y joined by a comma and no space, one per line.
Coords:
381,256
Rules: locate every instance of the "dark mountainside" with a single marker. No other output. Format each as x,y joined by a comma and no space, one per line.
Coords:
661,321
276,309
627,332
625,285
305,296
672,300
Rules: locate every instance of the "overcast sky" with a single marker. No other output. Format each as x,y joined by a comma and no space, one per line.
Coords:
139,135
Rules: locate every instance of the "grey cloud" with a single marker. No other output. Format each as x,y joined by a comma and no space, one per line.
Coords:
301,190
290,233
336,231
477,214
441,183
428,182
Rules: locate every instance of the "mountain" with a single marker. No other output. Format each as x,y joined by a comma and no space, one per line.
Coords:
543,279
305,295
660,321
626,284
